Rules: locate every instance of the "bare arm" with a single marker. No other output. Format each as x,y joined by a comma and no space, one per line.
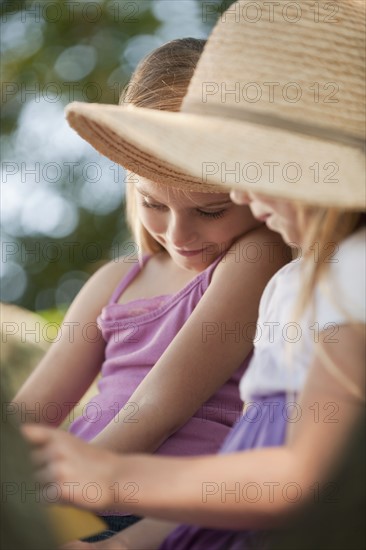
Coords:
207,350
191,490
73,361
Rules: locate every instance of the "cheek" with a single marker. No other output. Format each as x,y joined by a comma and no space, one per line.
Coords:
263,203
152,221
286,226
288,214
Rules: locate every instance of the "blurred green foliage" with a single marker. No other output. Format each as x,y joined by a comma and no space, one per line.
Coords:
55,52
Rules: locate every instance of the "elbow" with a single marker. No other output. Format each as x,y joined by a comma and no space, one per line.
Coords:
168,422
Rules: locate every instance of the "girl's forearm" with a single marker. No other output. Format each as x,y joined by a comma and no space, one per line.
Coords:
143,432
168,397
210,491
248,489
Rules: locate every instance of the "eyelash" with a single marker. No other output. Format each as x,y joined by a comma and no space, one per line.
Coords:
202,213
212,215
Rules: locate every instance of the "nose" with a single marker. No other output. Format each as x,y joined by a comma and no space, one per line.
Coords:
239,197
180,231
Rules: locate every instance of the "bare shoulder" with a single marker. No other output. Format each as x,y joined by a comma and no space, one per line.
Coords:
99,288
264,246
109,275
259,253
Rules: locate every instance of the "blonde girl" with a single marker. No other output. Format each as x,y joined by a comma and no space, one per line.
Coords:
304,394
248,487
175,328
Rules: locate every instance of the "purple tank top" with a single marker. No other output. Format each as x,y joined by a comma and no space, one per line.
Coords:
136,335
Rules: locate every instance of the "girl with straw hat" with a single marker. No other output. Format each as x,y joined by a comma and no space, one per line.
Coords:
173,338
304,389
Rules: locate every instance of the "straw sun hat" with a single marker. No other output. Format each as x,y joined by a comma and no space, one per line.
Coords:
276,105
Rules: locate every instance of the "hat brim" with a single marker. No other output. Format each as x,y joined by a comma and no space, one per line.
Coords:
211,153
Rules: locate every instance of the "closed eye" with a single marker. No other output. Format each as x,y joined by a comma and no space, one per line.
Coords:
154,206
204,214
213,215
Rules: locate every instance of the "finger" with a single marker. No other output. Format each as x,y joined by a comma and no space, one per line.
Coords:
37,435
54,489
40,456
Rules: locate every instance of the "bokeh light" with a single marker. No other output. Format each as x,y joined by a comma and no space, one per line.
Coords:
20,37
76,62
55,188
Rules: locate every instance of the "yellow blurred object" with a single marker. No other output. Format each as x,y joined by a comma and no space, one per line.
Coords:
69,523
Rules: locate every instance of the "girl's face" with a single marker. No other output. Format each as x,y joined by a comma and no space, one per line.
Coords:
194,228
279,215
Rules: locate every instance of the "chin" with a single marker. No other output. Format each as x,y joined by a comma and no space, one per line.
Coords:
190,265
284,235
292,240
283,230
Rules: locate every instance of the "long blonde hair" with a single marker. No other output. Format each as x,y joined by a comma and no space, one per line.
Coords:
160,81
321,238
327,228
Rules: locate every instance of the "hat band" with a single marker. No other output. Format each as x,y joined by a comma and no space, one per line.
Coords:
272,121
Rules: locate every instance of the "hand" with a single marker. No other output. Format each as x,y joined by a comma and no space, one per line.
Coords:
79,473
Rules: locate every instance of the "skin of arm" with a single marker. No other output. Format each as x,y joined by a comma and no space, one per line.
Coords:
78,358
201,364
196,364
74,360
191,490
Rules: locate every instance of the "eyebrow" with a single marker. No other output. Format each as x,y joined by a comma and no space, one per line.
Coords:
209,205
